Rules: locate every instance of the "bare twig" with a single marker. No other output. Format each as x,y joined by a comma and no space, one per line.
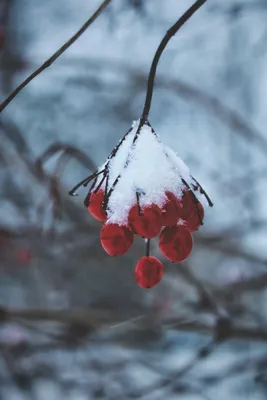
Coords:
104,319
171,378
253,283
62,316
58,53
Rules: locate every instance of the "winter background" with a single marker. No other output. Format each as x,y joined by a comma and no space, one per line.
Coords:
74,323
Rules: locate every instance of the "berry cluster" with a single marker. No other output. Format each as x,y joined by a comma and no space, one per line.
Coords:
178,218
168,204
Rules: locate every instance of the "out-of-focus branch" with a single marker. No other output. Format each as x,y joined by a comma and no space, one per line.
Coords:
227,248
207,297
171,378
228,116
246,284
237,331
104,319
67,150
58,53
225,113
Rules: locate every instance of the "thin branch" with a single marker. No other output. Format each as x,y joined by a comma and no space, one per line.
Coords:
171,32
253,283
171,378
53,58
237,331
101,318
205,294
97,318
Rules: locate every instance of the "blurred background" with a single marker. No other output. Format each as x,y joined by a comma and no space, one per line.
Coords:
74,323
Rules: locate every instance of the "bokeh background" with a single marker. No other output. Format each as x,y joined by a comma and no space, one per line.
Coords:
74,323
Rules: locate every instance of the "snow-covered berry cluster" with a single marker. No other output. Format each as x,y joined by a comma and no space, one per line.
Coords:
145,189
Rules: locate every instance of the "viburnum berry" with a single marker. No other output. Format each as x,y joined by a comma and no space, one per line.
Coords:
148,272
191,213
194,221
175,243
170,210
145,222
96,205
116,239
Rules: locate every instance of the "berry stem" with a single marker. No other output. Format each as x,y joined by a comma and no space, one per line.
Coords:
105,202
138,203
147,247
85,182
87,198
171,32
102,181
194,199
202,191
153,69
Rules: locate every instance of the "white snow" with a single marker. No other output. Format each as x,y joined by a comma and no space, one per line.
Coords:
146,166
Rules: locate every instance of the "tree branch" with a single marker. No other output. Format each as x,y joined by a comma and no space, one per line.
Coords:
58,53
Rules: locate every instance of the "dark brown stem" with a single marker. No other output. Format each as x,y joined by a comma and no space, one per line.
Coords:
194,199
171,32
202,191
85,182
88,197
147,247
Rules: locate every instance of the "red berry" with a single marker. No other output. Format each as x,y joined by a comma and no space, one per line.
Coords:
192,213
148,272
187,205
96,206
146,222
196,216
175,243
116,239
171,210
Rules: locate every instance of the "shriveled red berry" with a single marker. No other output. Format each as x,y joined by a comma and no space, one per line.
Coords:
194,220
175,243
116,239
96,206
146,222
148,272
171,210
